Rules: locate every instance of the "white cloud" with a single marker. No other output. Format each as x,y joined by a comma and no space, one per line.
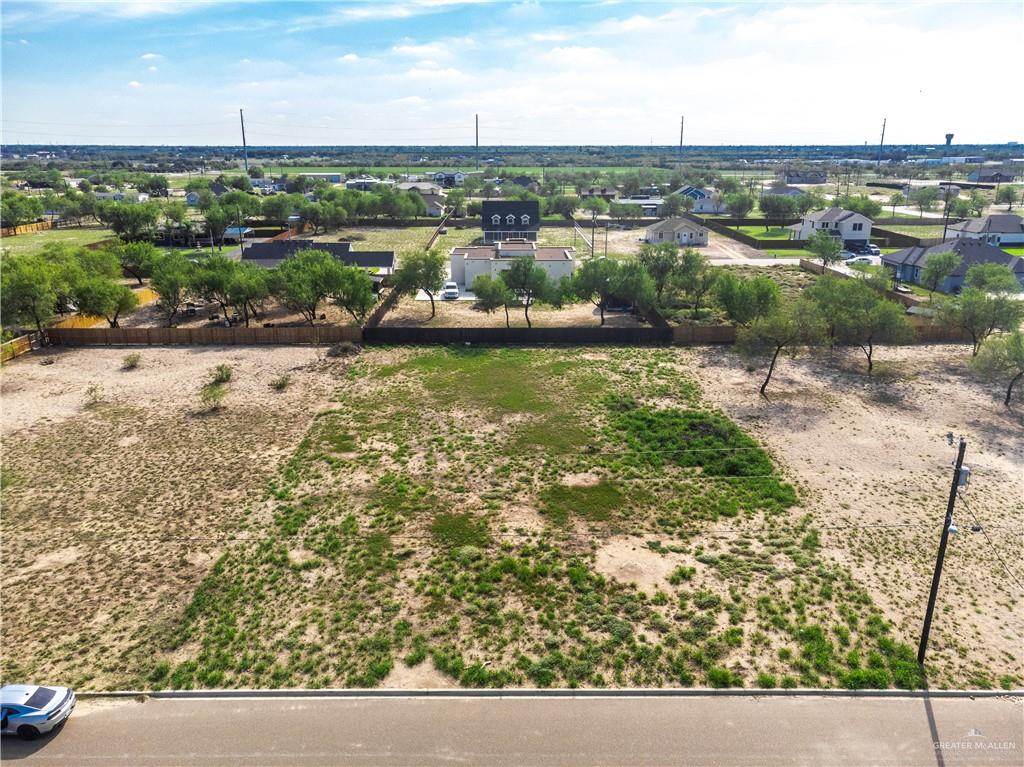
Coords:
429,49
430,72
23,41
150,56
245,61
151,69
379,11
349,57
134,84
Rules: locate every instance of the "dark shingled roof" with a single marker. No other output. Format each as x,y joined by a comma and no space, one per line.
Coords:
1000,223
970,251
270,254
517,208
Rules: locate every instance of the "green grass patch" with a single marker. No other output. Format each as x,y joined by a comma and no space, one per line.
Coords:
458,530
595,503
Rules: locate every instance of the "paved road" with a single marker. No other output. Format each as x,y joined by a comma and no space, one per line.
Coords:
819,731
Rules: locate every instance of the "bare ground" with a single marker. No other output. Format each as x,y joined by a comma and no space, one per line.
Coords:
461,314
119,494
873,457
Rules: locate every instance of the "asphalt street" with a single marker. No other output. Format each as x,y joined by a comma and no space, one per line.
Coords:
818,731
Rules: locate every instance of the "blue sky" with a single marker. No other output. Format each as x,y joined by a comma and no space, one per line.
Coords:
590,72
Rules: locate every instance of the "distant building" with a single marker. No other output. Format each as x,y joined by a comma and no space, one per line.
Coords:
449,179
846,225
510,220
236,233
330,178
650,206
119,196
704,200
993,175
997,229
607,193
909,262
805,177
468,263
783,190
366,183
681,231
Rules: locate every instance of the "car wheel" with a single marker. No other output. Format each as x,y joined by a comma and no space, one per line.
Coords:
28,732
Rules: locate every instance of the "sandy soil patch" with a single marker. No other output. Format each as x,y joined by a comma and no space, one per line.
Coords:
873,459
420,677
124,494
628,559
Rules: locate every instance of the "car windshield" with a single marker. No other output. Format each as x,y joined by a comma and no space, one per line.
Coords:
40,698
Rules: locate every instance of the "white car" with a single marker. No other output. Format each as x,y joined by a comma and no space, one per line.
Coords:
450,292
28,711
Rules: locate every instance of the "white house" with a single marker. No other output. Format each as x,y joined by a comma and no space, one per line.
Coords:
681,231
468,263
704,200
366,183
844,224
435,204
998,229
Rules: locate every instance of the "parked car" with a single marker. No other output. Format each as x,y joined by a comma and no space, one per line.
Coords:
869,260
443,230
846,255
28,710
450,292
872,250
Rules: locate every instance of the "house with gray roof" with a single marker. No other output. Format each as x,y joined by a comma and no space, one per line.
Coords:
784,190
993,175
704,200
909,262
271,254
805,177
681,231
997,229
844,224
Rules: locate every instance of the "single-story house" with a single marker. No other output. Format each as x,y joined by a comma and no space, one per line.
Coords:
649,205
838,222
269,185
330,178
993,175
268,255
681,231
704,200
805,176
366,183
997,229
526,182
468,263
909,262
435,204
607,193
236,233
423,187
784,190
510,220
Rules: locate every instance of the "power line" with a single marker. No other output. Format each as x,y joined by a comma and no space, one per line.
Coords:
992,546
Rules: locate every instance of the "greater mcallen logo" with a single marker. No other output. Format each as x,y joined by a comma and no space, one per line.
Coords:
976,742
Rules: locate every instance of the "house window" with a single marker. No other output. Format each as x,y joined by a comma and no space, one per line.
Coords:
858,227
661,235
495,219
526,220
510,219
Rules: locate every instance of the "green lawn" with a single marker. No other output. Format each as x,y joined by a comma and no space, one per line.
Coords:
773,233
462,508
925,231
1014,250
35,241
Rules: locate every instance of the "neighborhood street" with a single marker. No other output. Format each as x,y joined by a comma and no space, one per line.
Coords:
742,730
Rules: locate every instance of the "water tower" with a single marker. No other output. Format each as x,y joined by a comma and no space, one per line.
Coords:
949,139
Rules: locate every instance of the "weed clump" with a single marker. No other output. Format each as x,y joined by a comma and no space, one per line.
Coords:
131,361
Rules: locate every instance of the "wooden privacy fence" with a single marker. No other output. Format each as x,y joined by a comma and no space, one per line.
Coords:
318,334
38,226
639,336
18,346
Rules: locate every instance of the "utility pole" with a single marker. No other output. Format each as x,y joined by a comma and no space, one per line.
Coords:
881,141
942,552
245,149
593,232
945,224
477,141
682,121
